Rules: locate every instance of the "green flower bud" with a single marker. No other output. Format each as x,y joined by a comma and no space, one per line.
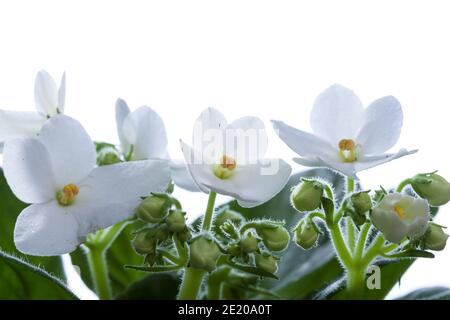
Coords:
204,254
145,242
307,195
153,209
435,238
235,250
361,201
107,156
432,187
176,221
275,238
266,263
161,233
228,214
184,235
306,234
249,244
153,258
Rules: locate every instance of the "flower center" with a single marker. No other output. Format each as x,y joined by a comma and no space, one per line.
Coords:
224,169
67,195
400,211
348,150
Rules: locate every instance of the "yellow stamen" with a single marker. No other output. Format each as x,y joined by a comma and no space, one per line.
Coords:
225,168
67,195
347,150
400,212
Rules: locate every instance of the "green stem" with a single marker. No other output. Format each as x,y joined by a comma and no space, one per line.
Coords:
99,272
356,277
374,250
351,239
192,278
362,240
402,185
339,244
207,219
190,285
350,185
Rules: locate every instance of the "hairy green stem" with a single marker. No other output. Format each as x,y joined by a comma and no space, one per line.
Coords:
192,278
339,244
351,237
99,272
361,244
402,185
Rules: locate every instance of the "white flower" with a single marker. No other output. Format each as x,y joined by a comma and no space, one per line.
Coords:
49,102
142,136
399,216
228,159
69,196
347,137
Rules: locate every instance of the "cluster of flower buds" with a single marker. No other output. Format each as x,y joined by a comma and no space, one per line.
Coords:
166,222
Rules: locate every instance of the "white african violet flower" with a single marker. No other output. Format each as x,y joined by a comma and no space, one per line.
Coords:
49,102
399,216
347,137
69,196
142,136
228,159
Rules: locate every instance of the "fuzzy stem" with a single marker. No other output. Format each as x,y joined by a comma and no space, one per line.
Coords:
351,240
192,278
99,272
402,185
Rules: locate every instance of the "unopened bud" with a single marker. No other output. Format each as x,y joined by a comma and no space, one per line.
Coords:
361,201
176,221
144,242
153,209
266,263
306,234
204,254
275,238
107,156
307,195
435,238
249,244
228,214
432,187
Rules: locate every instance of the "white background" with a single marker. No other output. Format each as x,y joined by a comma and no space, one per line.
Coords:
264,58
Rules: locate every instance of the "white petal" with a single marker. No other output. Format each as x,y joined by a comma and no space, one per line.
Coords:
111,193
45,94
382,125
198,169
122,111
303,143
62,93
373,161
71,149
256,184
347,169
181,176
28,171
208,133
393,228
145,129
46,230
337,114
14,124
246,140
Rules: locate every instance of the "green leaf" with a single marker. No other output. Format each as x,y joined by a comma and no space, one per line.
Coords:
21,280
119,254
10,208
161,286
433,293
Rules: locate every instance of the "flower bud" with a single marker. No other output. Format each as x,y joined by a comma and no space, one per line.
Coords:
249,244
228,214
307,195
306,234
184,235
435,238
145,242
107,156
204,254
361,202
153,209
176,221
432,187
275,238
266,263
153,258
